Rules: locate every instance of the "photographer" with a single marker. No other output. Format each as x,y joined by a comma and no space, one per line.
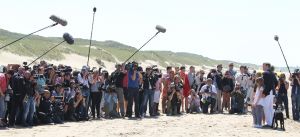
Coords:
18,86
69,100
96,93
200,82
208,93
84,85
216,77
149,81
117,78
133,90
45,113
58,104
283,87
79,107
5,95
295,83
194,102
29,100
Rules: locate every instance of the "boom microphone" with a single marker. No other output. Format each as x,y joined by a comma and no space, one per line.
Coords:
58,20
276,38
159,29
67,38
88,60
54,18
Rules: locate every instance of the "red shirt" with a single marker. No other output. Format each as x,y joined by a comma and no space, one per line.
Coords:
3,82
125,81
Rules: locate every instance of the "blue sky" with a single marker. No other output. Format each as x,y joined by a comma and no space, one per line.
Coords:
239,30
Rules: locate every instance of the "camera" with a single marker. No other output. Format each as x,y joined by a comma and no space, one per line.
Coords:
207,89
37,76
131,66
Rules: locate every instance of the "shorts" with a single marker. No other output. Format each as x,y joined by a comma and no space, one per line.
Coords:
125,91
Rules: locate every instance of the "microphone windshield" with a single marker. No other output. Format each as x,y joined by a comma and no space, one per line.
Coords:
58,20
68,38
276,38
94,9
160,29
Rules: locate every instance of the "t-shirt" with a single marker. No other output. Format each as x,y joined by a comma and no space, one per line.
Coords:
133,83
258,93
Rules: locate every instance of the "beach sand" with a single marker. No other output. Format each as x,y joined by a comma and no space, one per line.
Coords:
164,126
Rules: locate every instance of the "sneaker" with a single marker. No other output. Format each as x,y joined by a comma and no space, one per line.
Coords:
258,126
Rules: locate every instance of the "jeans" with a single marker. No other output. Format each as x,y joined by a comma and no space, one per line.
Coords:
258,113
2,107
96,100
87,94
148,95
284,99
120,95
16,105
295,106
133,95
29,109
218,104
206,106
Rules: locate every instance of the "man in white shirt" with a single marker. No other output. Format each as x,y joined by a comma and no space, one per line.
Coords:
245,81
208,93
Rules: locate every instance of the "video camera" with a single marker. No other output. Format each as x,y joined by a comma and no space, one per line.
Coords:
25,66
296,72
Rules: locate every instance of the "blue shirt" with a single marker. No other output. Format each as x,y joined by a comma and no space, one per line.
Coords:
133,83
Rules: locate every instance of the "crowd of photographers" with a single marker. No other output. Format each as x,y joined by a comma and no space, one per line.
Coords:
48,94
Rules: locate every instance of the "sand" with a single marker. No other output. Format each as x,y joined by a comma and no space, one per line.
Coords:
164,126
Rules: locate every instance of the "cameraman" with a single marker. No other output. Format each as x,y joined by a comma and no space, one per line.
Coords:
117,80
29,100
18,86
148,86
295,83
133,90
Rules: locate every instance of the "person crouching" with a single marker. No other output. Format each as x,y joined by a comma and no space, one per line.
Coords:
208,93
194,102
